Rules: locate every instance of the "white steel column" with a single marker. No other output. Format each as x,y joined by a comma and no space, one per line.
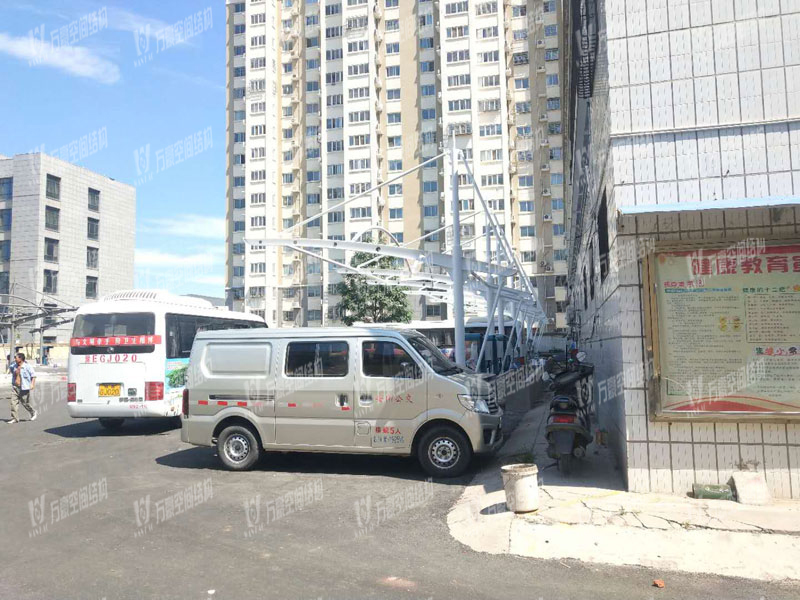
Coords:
458,266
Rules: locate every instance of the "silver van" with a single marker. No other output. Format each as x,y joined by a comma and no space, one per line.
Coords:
347,390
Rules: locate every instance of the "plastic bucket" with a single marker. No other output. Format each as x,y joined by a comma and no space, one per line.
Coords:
521,484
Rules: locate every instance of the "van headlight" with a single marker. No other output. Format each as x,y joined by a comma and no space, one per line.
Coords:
474,403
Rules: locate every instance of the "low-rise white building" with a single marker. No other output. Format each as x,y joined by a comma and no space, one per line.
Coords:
67,237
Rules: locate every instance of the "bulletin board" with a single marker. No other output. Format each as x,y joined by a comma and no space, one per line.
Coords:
724,330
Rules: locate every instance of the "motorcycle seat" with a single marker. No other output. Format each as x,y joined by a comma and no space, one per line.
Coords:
567,379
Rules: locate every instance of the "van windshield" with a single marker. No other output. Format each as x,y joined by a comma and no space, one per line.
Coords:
432,355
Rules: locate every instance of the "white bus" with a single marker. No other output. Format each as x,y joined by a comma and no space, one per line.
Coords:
129,353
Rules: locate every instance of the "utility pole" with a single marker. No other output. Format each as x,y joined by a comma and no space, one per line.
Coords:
458,260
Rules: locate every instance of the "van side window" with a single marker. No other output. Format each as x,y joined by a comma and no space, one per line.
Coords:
317,359
388,359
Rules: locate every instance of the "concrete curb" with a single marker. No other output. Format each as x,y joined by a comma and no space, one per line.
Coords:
599,524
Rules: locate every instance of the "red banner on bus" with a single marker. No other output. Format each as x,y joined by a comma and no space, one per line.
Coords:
122,340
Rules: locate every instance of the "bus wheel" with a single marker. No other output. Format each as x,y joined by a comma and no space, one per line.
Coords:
444,452
111,423
238,448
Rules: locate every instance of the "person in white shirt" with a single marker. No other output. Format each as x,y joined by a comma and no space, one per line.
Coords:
23,380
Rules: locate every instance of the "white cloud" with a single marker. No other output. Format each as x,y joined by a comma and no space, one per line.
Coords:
75,60
187,225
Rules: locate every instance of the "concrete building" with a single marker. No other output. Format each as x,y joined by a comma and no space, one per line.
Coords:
686,189
67,237
326,100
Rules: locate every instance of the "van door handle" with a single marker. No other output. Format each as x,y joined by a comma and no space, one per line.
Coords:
366,399
342,400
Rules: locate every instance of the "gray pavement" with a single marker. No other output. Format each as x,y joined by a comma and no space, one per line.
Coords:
367,527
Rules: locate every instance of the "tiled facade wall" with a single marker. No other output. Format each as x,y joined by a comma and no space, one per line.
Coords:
702,104
670,456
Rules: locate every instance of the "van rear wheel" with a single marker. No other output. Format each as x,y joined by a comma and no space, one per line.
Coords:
109,423
238,448
444,452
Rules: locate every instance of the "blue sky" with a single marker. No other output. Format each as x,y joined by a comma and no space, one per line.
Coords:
84,70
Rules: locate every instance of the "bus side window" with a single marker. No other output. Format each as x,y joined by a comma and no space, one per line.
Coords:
181,330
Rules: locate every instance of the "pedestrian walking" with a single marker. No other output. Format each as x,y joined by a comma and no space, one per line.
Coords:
23,380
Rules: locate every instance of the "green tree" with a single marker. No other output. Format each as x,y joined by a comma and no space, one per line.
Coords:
368,303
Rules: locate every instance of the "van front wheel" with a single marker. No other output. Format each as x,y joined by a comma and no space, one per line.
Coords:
444,452
238,448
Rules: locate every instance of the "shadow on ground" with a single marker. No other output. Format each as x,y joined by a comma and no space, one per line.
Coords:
131,427
399,467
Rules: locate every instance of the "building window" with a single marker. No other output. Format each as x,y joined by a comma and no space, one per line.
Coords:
94,200
527,231
602,237
93,229
91,287
51,218
53,187
5,219
6,188
50,282
92,257
4,285
51,250
433,310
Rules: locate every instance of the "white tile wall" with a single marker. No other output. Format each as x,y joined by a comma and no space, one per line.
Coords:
703,104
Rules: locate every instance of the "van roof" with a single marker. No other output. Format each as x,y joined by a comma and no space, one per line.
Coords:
302,332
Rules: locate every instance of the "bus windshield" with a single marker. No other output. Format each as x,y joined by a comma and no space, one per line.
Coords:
432,355
104,325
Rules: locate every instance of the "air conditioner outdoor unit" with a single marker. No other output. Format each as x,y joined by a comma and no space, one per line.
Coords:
546,192
543,117
548,269
547,218
540,43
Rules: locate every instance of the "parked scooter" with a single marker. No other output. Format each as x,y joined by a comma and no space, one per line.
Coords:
568,428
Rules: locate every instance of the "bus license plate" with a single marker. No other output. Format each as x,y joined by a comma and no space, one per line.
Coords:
109,389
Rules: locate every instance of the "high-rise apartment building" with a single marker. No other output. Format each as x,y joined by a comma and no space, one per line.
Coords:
67,237
328,99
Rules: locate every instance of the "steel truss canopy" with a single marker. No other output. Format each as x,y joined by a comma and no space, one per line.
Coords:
495,286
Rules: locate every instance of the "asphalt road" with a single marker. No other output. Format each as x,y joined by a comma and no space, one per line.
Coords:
357,527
